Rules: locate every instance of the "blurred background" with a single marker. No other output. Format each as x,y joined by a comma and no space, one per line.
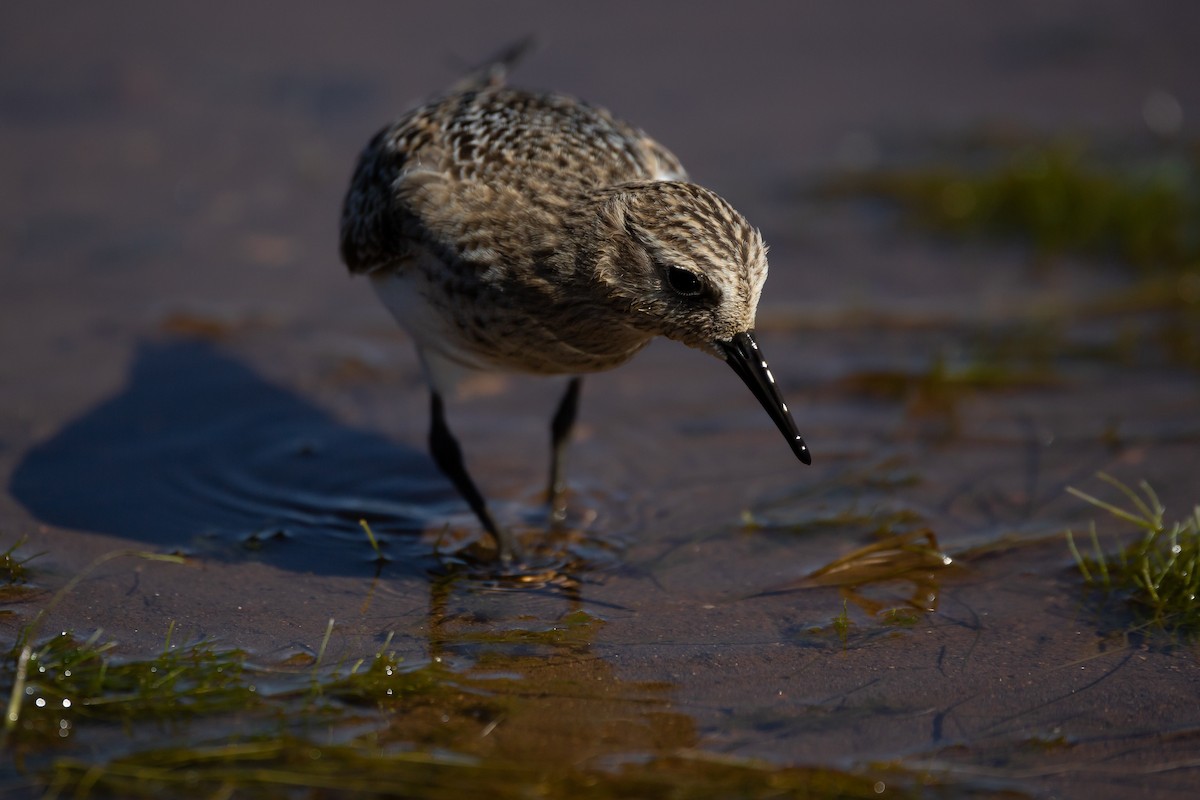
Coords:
161,160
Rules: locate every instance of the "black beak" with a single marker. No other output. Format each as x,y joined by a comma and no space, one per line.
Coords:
741,353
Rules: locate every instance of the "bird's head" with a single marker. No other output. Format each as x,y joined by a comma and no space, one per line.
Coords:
677,260
674,259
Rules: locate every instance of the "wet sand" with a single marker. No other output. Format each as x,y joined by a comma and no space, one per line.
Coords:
187,366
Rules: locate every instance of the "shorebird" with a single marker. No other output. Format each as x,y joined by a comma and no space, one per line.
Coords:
515,231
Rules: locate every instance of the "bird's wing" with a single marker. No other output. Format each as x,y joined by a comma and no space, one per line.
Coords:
485,148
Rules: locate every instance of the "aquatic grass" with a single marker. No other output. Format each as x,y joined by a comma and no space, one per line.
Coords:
62,679
893,557
385,682
291,767
13,569
1157,576
380,558
1060,198
71,679
912,559
903,550
1065,198
895,580
14,573
538,718
842,623
23,652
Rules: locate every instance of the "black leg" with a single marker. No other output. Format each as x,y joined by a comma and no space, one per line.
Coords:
560,434
448,456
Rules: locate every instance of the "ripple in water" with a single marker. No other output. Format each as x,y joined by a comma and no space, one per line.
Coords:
198,452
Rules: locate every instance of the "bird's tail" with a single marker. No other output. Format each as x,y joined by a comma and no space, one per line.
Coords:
495,69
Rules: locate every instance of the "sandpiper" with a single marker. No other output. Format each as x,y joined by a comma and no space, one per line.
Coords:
529,232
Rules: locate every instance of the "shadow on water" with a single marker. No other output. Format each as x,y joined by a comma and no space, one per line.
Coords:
198,452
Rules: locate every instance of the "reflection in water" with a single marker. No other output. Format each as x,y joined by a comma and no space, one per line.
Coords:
513,677
516,689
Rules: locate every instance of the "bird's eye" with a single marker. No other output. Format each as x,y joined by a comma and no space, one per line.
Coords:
684,282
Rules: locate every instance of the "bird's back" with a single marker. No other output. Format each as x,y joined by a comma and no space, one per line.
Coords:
486,158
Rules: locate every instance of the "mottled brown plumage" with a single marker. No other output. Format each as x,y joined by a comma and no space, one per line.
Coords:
515,231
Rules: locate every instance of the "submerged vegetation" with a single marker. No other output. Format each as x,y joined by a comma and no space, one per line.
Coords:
1158,575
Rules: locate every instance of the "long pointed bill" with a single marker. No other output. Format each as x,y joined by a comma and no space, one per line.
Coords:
741,353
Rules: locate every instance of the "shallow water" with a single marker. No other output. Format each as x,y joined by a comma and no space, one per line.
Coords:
188,369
